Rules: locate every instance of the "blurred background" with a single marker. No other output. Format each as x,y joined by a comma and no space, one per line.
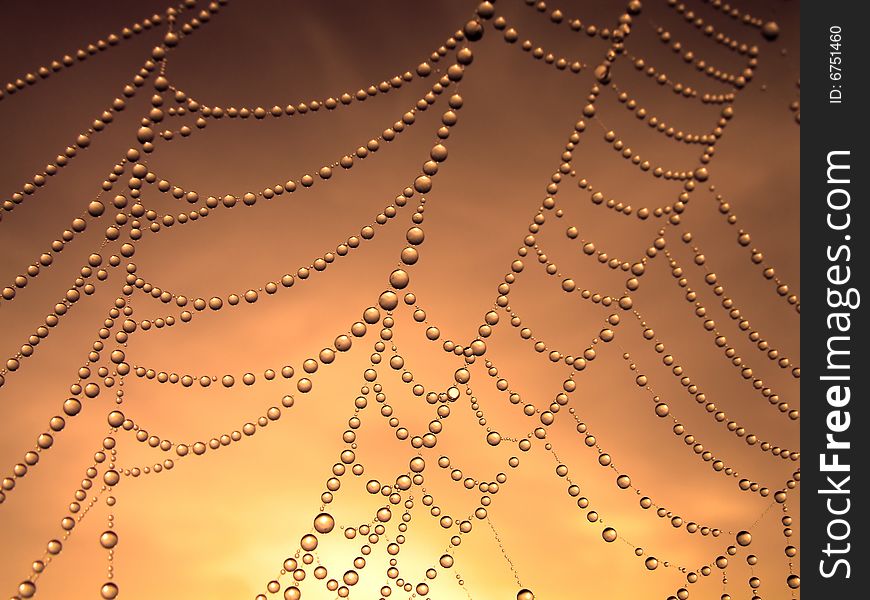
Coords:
222,524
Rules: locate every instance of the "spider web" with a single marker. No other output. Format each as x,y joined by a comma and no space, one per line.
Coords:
511,423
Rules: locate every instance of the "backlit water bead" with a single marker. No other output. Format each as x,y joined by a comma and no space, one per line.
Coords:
324,523
525,594
108,539
109,590
399,279
27,589
292,593
770,30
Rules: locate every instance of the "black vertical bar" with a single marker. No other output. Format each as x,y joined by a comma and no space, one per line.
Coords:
834,233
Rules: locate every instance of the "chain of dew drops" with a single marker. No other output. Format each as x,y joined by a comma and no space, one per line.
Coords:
135,219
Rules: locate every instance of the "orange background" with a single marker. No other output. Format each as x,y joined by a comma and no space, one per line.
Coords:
220,525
